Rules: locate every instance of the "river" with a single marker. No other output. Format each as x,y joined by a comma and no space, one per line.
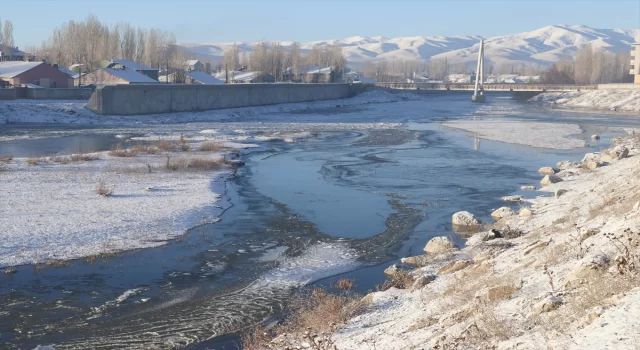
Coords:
344,204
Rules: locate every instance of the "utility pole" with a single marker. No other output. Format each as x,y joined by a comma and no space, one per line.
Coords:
479,76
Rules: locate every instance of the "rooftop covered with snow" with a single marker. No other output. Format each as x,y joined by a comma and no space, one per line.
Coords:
204,78
129,75
12,68
132,65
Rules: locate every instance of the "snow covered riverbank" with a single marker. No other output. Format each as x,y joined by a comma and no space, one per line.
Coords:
612,100
563,273
65,112
50,208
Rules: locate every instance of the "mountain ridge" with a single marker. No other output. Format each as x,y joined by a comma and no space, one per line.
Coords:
541,46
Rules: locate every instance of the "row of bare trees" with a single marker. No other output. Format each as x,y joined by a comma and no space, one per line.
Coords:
590,66
438,69
91,40
274,59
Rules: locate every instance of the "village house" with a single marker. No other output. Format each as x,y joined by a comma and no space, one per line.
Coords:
193,77
11,54
115,76
312,74
18,73
116,64
197,77
195,65
240,77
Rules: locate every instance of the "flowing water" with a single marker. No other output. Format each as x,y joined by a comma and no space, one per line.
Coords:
375,184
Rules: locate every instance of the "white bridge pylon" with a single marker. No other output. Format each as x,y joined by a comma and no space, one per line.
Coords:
479,97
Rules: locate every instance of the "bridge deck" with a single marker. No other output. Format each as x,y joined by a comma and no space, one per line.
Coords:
487,87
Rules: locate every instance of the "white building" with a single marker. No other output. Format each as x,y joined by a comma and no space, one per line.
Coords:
635,63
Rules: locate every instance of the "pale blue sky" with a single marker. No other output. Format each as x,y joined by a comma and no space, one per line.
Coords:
307,20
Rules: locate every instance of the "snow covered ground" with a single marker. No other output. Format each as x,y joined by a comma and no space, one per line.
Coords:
51,211
613,100
43,111
534,134
567,278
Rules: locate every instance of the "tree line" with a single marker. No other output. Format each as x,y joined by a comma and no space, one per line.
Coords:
394,70
274,59
590,66
91,40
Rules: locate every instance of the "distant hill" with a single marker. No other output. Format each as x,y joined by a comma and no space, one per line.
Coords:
541,46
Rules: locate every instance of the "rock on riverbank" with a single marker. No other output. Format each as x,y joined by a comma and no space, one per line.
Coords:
568,280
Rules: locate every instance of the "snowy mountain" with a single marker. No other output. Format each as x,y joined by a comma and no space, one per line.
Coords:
541,46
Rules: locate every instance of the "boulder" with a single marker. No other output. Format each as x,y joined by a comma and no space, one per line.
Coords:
502,213
549,303
439,244
528,188
419,260
454,266
525,213
422,281
464,218
559,192
546,171
593,165
591,157
550,179
606,159
619,152
565,164
393,270
587,265
595,137
512,198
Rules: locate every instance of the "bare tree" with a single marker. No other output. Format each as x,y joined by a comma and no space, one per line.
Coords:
7,35
231,58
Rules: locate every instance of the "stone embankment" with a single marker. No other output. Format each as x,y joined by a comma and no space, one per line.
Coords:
561,272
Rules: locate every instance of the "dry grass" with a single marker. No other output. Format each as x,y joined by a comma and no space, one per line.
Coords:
6,158
211,146
133,169
193,163
183,145
119,152
423,323
84,157
60,159
165,145
344,284
401,280
32,161
103,190
313,321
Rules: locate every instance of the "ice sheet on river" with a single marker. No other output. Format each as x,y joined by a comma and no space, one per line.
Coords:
533,134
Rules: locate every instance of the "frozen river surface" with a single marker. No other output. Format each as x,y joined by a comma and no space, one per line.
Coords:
373,184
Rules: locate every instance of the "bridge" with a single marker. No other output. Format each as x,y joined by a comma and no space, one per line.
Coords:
528,87
480,87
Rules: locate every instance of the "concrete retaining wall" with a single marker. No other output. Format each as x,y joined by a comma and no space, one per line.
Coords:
7,94
46,94
55,94
151,99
